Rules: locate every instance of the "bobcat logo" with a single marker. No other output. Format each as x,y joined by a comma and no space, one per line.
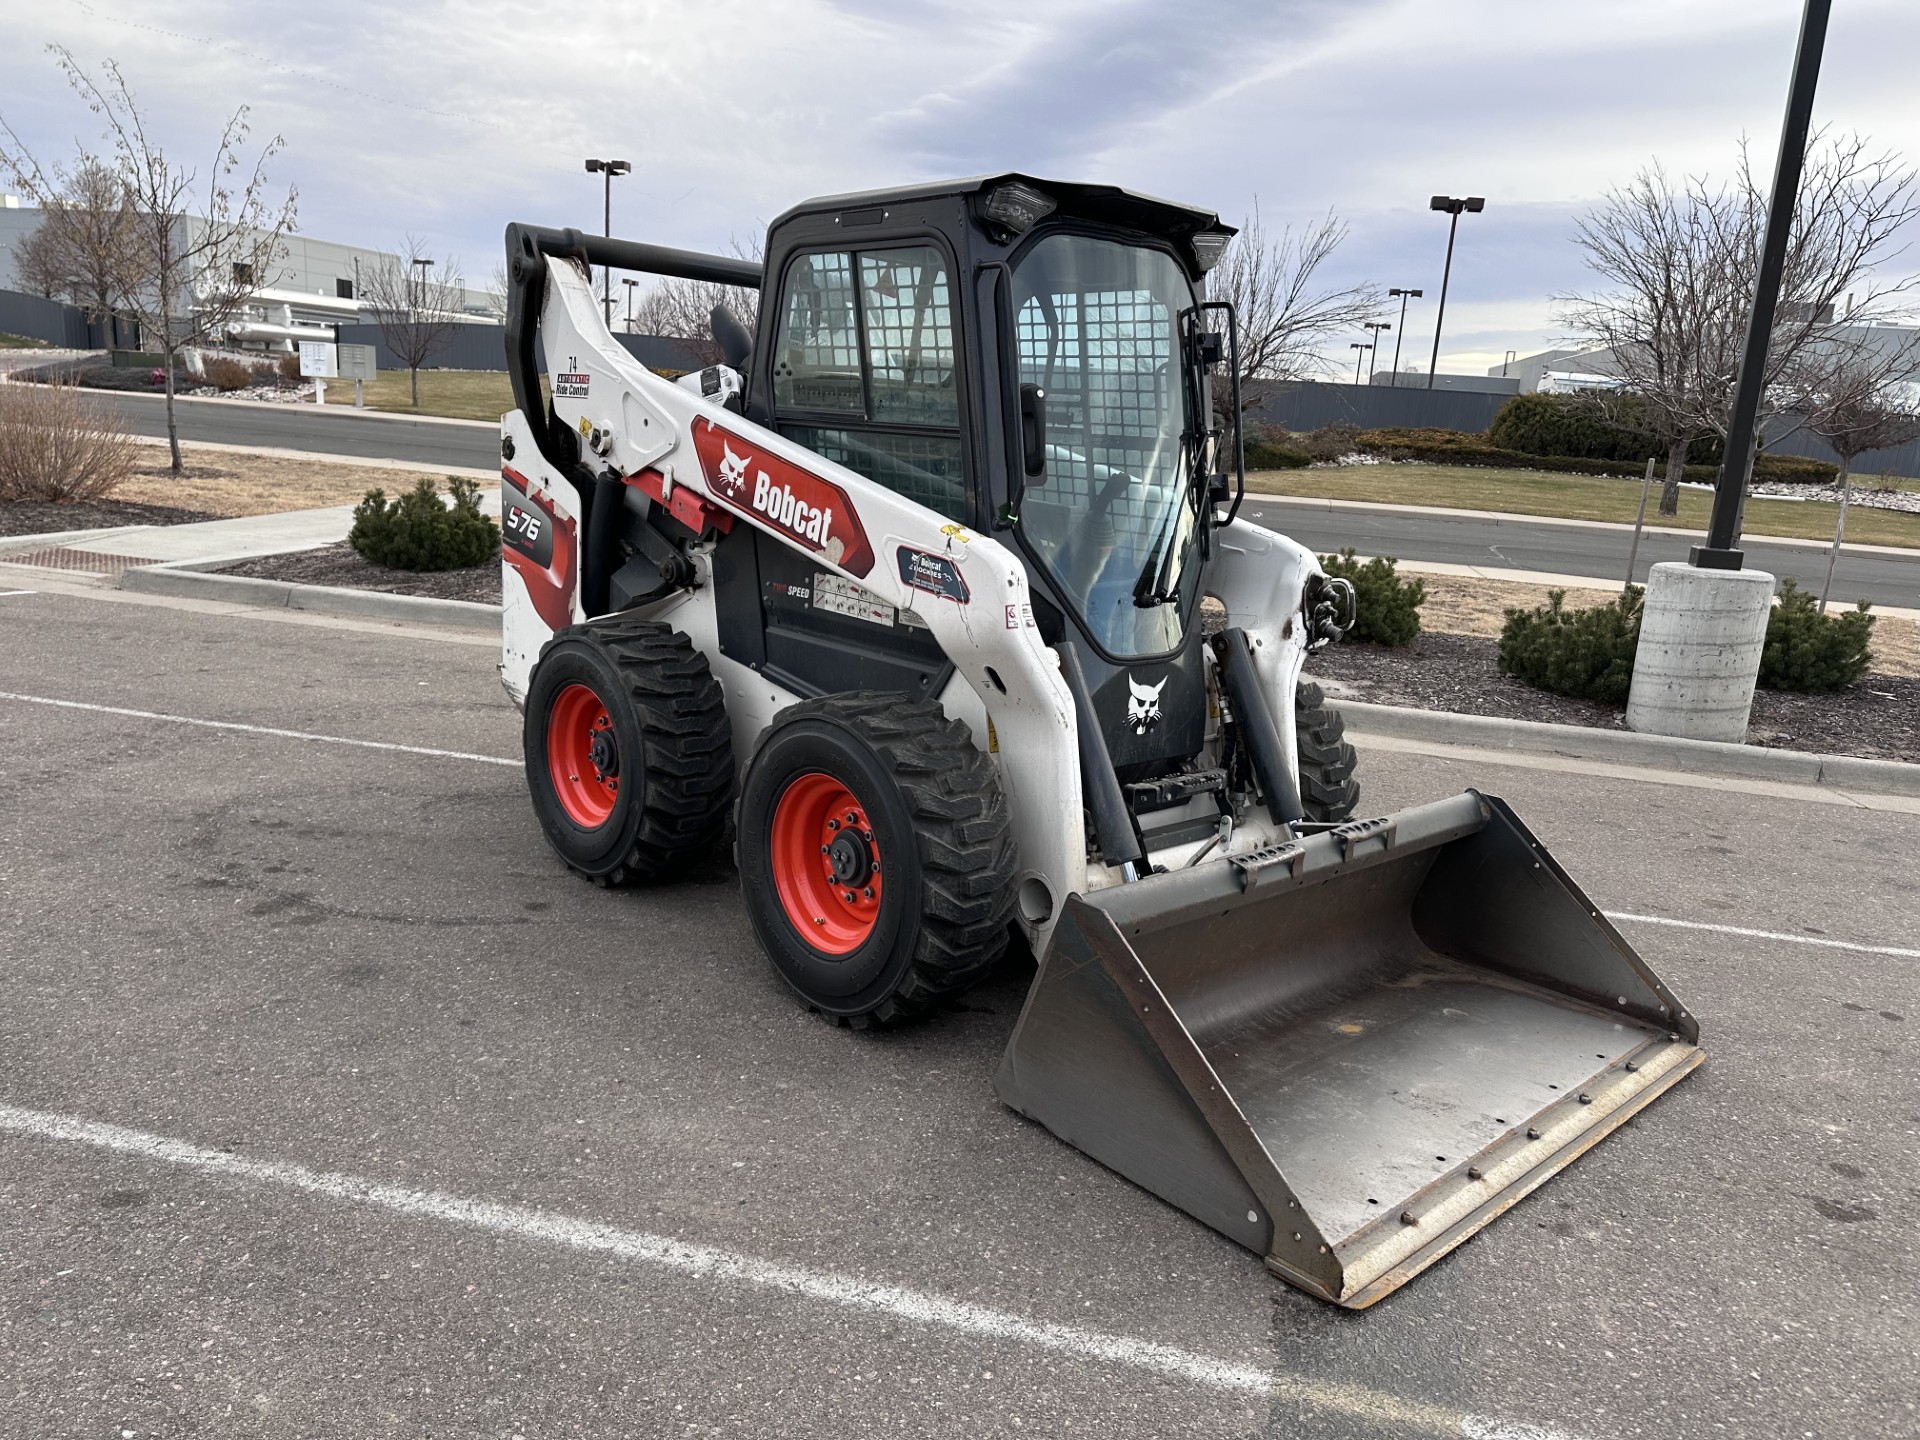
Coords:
1143,704
733,473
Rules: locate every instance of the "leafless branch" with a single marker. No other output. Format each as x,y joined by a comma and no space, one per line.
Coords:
416,302
1284,315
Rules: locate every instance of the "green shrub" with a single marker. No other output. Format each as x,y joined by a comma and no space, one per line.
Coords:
224,374
1458,447
1584,653
1386,608
418,532
1810,651
1270,450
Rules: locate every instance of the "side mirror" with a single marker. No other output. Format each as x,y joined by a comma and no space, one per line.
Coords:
1033,433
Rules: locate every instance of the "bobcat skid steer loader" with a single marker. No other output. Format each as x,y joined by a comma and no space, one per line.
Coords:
911,586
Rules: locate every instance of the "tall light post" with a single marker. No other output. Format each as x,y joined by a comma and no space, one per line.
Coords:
1403,294
419,288
1362,347
632,285
608,168
1473,205
1376,326
1721,551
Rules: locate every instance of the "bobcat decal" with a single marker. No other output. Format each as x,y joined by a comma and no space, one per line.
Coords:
1143,704
732,479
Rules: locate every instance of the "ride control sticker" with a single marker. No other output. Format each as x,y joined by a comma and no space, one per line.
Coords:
572,383
935,574
782,496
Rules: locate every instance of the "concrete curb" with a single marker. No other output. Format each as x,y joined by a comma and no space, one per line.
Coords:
1626,747
1438,727
319,599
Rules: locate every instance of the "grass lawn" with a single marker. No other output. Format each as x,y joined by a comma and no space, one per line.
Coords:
454,394
21,342
1573,497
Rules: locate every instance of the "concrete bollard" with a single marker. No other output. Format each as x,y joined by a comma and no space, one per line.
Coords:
1700,644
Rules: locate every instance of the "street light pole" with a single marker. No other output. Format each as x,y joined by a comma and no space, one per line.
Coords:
1398,334
1730,489
1473,204
1376,326
1358,359
632,285
608,168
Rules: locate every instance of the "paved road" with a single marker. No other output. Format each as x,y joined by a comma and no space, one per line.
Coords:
332,431
1557,549
278,962
1567,549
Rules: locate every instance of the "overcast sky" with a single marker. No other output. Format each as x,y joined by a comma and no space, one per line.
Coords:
449,119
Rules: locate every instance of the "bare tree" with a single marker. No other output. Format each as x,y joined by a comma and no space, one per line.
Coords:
1667,317
1859,395
188,274
416,302
1284,314
683,309
496,292
1681,262
83,249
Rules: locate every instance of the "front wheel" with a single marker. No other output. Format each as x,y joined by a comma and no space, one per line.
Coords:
629,758
1328,790
876,855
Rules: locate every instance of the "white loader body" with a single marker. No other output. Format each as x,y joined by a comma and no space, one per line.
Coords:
1006,687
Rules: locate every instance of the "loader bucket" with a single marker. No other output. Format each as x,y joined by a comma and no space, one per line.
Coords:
1350,1052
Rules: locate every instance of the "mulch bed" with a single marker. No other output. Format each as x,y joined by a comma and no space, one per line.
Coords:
341,565
1878,718
43,517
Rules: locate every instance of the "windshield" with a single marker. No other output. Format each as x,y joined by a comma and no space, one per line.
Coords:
1096,325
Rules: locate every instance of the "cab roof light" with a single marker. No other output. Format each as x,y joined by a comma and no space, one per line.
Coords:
1209,246
1017,207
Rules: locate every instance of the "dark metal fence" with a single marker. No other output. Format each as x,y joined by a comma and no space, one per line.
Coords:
484,347
38,318
1309,404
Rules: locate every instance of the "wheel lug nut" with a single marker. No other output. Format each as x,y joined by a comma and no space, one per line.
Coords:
823,849
849,897
868,892
833,824
852,818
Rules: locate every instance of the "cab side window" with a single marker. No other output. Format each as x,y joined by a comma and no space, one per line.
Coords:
864,370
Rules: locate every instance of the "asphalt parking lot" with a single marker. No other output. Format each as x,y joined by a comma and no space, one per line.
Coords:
330,1105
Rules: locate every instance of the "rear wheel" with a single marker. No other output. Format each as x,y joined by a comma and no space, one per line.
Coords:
1328,790
629,760
876,855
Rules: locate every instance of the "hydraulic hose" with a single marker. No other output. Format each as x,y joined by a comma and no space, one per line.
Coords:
1113,828
1262,736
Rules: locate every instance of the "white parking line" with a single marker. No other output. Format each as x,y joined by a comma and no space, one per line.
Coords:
1746,934
724,1267
262,730
1893,950
5,593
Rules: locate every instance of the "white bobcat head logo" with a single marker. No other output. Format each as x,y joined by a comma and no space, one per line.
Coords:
733,471
1143,706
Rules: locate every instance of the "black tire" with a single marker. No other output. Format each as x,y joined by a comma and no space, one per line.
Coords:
1328,789
933,822
668,740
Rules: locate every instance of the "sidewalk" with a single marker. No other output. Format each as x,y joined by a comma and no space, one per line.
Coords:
201,546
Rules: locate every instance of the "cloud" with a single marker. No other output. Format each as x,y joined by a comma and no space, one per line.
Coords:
449,120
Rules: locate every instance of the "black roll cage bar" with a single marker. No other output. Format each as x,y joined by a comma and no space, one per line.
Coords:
528,247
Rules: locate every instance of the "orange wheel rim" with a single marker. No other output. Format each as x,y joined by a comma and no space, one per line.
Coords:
582,756
826,863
